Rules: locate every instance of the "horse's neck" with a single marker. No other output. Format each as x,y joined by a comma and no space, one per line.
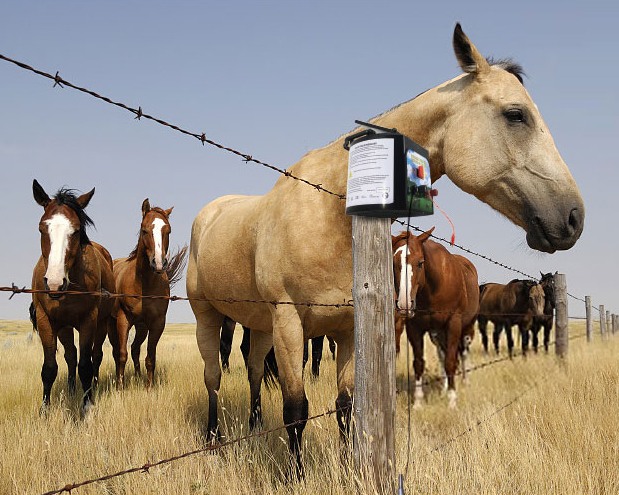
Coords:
421,119
143,270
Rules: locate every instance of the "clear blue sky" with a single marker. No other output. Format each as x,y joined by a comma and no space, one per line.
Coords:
275,80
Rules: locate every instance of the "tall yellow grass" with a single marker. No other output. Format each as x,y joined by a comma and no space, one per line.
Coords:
522,426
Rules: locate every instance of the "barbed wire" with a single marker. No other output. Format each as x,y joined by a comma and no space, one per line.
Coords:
106,294
346,304
139,114
209,448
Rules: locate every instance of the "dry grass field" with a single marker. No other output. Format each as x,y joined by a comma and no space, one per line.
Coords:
522,426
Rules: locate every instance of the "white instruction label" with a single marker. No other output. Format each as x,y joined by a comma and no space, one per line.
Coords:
370,173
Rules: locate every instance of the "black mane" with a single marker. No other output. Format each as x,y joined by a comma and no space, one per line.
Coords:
68,198
510,66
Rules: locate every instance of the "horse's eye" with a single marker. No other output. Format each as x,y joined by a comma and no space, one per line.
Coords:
420,264
514,115
144,231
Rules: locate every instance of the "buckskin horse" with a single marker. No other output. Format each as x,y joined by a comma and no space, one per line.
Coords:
70,261
545,320
149,270
515,303
482,130
436,292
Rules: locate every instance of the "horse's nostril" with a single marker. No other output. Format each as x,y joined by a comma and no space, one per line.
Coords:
576,220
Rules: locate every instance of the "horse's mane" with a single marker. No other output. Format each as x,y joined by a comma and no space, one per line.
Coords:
68,198
134,253
510,66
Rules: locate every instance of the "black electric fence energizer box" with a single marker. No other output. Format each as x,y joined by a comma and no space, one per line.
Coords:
388,175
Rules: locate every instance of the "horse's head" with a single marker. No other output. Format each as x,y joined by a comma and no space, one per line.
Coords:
536,299
548,284
155,235
408,270
63,232
497,147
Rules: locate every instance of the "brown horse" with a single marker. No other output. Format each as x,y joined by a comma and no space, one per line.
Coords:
436,292
546,320
147,271
70,261
515,303
482,130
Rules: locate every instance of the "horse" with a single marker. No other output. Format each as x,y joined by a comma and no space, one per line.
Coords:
546,320
482,130
515,303
70,261
435,292
149,270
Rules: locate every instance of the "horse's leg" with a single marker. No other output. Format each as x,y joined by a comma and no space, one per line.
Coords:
65,335
317,346
85,369
141,332
496,336
454,337
510,339
120,349
524,336
483,331
415,337
332,347
535,327
49,371
155,331
345,385
467,339
208,326
547,329
260,345
225,342
288,343
305,353
103,329
245,344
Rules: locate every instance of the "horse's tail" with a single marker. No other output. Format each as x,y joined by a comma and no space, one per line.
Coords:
33,316
176,266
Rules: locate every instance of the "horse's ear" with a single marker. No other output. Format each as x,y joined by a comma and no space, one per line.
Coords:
145,207
85,198
168,212
469,58
40,196
426,235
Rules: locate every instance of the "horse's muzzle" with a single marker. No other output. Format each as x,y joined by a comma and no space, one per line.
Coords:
62,288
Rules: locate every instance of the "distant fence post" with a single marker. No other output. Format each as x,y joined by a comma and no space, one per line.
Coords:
589,318
613,323
602,321
608,324
562,329
374,402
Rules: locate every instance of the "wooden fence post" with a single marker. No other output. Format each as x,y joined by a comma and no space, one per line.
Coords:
602,321
613,321
374,395
561,329
608,325
589,319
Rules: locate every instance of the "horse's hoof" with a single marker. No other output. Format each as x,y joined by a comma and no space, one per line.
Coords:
87,408
451,399
417,405
43,410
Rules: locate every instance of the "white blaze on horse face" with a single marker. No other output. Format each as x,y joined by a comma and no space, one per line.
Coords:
158,224
59,229
404,292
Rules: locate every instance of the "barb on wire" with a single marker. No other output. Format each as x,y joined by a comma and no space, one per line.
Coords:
58,81
144,468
